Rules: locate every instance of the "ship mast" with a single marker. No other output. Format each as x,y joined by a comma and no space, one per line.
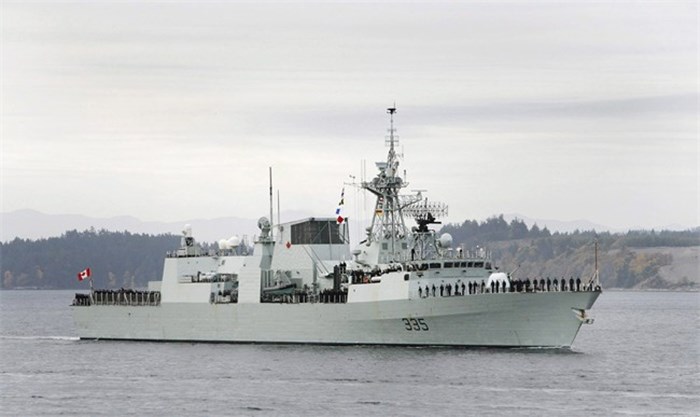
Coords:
392,138
388,229
272,219
393,165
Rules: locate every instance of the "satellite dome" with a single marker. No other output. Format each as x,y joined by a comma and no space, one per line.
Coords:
445,240
233,241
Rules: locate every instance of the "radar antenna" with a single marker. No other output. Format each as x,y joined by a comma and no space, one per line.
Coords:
425,213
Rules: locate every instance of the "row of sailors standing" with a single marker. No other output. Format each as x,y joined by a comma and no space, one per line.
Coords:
480,287
514,285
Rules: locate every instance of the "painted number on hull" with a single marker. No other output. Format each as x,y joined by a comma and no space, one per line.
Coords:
415,325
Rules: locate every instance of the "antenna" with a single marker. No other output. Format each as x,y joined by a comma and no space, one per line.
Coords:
597,275
421,210
595,278
271,218
392,138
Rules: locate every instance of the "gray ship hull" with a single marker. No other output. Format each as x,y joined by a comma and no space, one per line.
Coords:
544,319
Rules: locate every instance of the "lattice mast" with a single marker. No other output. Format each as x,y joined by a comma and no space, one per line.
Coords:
388,225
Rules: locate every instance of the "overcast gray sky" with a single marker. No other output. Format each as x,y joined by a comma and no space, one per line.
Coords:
174,110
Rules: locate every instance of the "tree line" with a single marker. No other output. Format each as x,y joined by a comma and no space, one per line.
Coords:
116,259
472,233
129,260
536,252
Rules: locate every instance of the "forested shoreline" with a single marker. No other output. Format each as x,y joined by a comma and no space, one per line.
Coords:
636,259
116,259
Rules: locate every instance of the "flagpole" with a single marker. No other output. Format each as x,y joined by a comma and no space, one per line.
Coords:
272,219
92,290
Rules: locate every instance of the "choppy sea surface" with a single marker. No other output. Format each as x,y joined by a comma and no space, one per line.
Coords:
640,357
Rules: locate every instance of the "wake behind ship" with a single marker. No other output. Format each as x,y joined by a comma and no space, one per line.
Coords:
302,283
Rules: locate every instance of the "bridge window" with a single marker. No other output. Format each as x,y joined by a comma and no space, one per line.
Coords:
316,232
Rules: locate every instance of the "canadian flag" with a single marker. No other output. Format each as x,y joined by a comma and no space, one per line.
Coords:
84,274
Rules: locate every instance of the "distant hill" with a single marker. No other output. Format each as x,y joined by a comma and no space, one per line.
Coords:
570,226
563,226
30,224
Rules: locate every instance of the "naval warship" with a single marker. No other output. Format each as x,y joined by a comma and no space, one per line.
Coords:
302,283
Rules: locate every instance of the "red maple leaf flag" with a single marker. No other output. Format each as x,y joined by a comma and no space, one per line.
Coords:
84,274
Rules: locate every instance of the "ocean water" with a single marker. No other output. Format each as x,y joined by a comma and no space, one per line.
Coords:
640,357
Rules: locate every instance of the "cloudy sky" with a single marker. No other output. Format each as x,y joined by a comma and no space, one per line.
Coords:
174,110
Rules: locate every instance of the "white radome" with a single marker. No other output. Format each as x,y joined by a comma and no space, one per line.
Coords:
445,240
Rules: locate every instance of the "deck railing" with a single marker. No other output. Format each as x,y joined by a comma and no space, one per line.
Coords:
118,297
516,286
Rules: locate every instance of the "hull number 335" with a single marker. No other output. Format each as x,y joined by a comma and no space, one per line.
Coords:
415,325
